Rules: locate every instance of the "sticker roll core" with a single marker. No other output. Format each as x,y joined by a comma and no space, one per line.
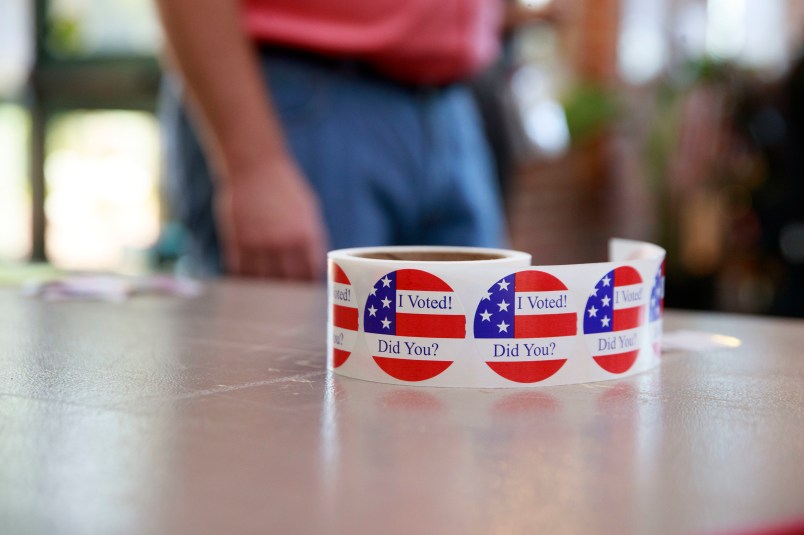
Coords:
485,318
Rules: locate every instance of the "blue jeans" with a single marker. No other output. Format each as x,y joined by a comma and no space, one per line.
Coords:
392,164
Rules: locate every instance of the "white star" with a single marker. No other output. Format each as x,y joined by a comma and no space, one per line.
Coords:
374,291
592,312
652,301
503,285
594,292
386,282
487,296
385,302
606,280
606,300
372,311
605,321
386,323
503,326
486,315
503,305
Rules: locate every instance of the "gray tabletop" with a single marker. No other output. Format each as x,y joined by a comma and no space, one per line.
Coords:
217,415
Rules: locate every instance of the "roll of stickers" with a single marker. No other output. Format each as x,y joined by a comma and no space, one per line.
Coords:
484,318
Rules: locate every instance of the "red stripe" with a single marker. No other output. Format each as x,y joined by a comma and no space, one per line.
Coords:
408,399
625,275
536,281
531,371
339,356
525,403
619,362
416,279
412,370
430,325
791,527
338,275
546,325
344,317
628,318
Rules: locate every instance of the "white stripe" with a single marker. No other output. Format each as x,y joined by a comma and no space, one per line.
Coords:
343,294
615,342
416,302
343,338
526,350
538,303
410,348
655,329
630,296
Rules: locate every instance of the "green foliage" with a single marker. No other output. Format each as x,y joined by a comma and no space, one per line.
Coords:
589,109
63,36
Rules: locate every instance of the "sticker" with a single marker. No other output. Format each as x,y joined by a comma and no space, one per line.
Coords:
535,326
344,316
614,312
524,326
657,311
414,325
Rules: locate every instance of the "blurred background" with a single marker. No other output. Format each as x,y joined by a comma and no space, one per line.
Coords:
674,121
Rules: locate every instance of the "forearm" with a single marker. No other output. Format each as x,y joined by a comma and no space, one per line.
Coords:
221,74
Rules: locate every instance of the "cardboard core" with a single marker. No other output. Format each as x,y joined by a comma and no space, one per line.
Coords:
428,256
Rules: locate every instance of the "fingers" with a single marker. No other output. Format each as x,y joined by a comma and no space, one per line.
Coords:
271,263
291,263
251,264
295,266
271,225
315,254
244,262
261,238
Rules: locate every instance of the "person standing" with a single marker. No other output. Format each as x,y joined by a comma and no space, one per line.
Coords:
326,124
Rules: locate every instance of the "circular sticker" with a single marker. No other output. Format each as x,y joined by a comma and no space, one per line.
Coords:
524,326
414,324
344,316
612,317
657,310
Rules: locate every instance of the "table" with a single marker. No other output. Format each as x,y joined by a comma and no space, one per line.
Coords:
216,415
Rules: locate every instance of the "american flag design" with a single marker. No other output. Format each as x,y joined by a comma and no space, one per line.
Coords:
657,295
414,324
524,326
657,310
344,316
614,312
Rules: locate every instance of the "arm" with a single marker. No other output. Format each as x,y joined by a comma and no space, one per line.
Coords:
268,217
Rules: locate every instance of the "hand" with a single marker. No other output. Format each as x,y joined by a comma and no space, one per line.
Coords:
270,224
269,221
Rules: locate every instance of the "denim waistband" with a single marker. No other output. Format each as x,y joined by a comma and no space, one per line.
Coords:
347,65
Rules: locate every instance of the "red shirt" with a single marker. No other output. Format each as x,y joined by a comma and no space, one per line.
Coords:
419,41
